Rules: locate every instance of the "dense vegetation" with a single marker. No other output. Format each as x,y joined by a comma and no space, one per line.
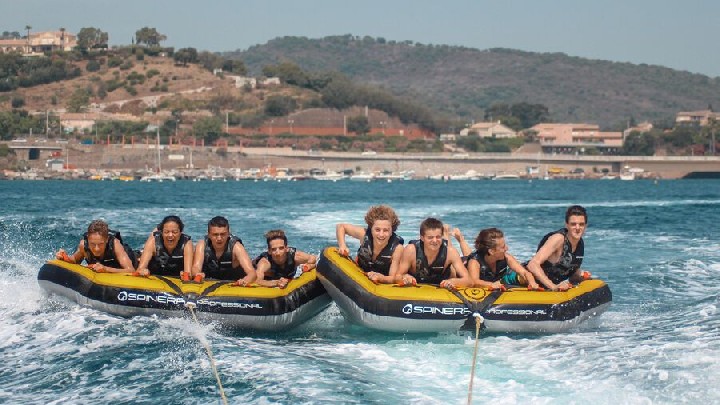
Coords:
337,91
439,88
464,83
17,71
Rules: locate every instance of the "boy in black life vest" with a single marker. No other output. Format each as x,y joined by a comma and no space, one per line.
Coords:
102,249
222,255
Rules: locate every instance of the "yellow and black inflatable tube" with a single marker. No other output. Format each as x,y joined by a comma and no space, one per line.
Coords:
258,308
429,308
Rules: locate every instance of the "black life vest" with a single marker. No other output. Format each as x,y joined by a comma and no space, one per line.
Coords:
109,258
486,273
569,260
381,264
166,263
221,268
277,271
431,273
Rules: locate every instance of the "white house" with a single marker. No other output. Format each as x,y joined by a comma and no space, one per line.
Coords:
489,130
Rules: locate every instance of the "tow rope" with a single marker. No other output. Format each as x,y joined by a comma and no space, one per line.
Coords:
191,307
478,322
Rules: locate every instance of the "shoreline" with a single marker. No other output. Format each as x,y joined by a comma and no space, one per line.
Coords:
80,161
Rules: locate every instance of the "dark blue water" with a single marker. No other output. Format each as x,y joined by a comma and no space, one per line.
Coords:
656,244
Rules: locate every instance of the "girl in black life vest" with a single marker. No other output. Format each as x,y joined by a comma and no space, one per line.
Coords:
168,251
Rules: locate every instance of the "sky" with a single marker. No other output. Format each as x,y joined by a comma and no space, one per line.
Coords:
681,35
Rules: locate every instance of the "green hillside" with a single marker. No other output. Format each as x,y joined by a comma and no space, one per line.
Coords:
463,82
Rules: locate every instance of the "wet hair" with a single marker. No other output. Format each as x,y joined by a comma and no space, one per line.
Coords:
275,234
98,226
487,239
430,223
171,218
218,222
574,210
382,213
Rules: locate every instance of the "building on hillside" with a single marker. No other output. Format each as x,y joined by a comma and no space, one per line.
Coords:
489,130
40,42
576,139
642,128
270,81
701,118
243,81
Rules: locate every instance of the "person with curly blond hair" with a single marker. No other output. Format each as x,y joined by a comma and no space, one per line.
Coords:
380,249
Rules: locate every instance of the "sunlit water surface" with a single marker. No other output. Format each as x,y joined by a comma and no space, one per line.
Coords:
656,244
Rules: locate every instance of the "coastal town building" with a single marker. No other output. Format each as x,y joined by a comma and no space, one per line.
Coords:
489,130
40,42
702,118
642,128
251,82
576,138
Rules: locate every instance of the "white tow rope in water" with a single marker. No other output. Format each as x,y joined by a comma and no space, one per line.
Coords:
191,307
478,321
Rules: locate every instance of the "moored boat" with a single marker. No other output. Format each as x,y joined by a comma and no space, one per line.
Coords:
429,308
257,308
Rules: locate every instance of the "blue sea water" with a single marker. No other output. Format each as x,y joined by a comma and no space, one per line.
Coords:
656,244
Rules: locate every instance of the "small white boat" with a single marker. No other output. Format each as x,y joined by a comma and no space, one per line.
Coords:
158,178
367,177
506,177
329,176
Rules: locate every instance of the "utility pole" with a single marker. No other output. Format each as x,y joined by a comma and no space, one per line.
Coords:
157,134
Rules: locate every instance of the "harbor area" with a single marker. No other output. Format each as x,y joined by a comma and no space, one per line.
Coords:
65,161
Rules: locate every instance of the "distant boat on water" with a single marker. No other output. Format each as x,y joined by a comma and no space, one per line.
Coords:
329,176
362,177
158,178
506,177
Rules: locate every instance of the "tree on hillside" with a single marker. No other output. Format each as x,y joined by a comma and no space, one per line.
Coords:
210,61
186,55
517,116
92,38
639,144
289,73
234,66
10,35
339,93
711,132
358,124
278,106
149,36
208,128
78,101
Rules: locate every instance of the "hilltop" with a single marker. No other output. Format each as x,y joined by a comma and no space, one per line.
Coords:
463,82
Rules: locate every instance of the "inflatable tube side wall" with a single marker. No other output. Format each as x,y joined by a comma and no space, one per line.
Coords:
429,308
125,295
407,302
